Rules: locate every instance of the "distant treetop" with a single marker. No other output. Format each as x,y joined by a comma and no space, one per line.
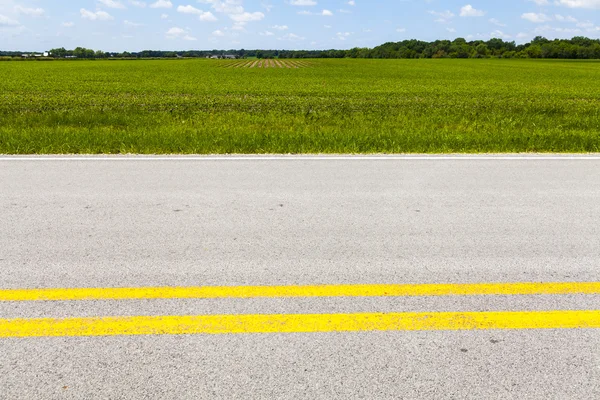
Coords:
576,48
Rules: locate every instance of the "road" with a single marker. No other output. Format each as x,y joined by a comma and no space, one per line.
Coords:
283,224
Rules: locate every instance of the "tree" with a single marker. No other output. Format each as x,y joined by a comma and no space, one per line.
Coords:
534,51
482,50
539,40
578,47
460,49
59,53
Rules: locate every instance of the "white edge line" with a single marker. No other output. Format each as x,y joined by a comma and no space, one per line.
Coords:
302,158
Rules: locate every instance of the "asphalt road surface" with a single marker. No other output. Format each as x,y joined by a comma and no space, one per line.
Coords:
300,223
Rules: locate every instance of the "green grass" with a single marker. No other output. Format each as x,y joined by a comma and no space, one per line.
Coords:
336,106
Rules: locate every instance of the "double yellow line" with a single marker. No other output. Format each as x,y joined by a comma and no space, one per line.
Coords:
223,292
286,323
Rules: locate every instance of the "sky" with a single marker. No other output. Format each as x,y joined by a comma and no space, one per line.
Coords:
133,25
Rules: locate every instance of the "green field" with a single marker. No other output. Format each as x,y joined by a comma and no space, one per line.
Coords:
332,106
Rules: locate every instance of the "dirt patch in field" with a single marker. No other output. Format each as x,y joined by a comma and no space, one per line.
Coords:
267,63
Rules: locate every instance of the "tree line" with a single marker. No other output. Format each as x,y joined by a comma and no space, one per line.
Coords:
576,48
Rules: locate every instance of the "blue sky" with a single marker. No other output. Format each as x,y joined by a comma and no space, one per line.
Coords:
115,25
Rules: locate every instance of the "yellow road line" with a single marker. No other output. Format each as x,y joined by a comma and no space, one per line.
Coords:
288,323
477,289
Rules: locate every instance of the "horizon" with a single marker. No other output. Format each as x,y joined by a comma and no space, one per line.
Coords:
164,25
266,49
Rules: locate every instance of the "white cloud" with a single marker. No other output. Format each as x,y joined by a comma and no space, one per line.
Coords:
247,16
95,16
591,4
112,4
225,6
179,33
132,24
499,34
266,6
235,11
241,18
586,24
202,15
218,33
536,18
401,30
189,10
469,11
33,12
292,37
5,21
444,15
496,22
207,17
323,13
562,18
175,31
303,3
545,29
162,4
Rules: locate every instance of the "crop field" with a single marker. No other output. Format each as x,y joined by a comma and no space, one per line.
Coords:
265,64
299,106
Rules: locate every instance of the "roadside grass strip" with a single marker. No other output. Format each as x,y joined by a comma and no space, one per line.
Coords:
299,323
378,290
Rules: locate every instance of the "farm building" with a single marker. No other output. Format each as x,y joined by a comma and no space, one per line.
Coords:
224,57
